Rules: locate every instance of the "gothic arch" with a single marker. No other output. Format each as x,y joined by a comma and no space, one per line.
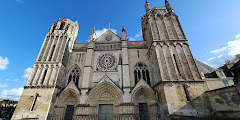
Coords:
143,93
105,92
68,97
73,74
141,71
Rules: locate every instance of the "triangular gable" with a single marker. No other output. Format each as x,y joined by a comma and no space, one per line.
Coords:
104,79
142,83
71,86
108,37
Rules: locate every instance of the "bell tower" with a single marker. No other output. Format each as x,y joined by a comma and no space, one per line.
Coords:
46,76
175,72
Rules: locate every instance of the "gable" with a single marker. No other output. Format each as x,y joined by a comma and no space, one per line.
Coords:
108,37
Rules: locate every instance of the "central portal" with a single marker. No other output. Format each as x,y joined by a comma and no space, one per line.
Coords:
105,112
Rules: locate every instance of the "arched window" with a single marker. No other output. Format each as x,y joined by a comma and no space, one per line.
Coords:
62,26
141,72
74,76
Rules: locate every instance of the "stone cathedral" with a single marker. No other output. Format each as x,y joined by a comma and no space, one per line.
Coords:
113,78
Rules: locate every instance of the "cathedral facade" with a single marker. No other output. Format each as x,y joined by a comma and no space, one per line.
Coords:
113,78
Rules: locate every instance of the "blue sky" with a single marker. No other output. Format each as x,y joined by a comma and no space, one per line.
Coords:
211,26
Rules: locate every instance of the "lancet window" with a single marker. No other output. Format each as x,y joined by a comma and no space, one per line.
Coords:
141,72
74,76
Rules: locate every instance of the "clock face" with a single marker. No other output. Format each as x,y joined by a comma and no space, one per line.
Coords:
109,37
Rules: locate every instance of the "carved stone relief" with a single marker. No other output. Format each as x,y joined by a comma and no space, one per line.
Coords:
106,62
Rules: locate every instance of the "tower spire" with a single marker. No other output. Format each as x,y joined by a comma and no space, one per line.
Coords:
109,26
168,6
124,34
147,6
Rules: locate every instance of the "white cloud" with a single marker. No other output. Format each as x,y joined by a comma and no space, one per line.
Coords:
234,47
3,63
227,52
3,85
220,55
13,94
136,37
237,36
100,32
211,59
131,39
27,73
218,50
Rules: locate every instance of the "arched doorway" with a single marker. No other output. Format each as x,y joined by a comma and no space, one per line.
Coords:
144,98
65,104
106,96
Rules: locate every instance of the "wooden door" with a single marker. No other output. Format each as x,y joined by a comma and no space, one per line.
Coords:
143,111
105,112
69,112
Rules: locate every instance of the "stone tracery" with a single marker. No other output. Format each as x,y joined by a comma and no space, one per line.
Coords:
105,93
106,62
141,71
74,75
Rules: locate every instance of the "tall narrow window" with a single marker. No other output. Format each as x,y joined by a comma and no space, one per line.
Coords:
74,76
174,56
148,77
144,75
138,53
44,75
67,28
139,75
186,92
62,26
141,72
34,101
69,78
50,58
135,76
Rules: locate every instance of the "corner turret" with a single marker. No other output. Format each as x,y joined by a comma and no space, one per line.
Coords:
168,6
147,7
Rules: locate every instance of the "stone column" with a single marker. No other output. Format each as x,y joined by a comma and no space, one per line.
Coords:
183,62
42,50
191,62
41,79
165,28
57,48
46,52
36,79
32,75
168,59
177,27
161,62
54,75
50,55
62,49
173,27
87,75
125,73
49,73
120,76
175,60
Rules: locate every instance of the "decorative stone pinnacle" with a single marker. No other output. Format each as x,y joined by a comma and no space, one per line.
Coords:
123,29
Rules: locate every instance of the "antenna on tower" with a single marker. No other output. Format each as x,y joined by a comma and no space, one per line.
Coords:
109,26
